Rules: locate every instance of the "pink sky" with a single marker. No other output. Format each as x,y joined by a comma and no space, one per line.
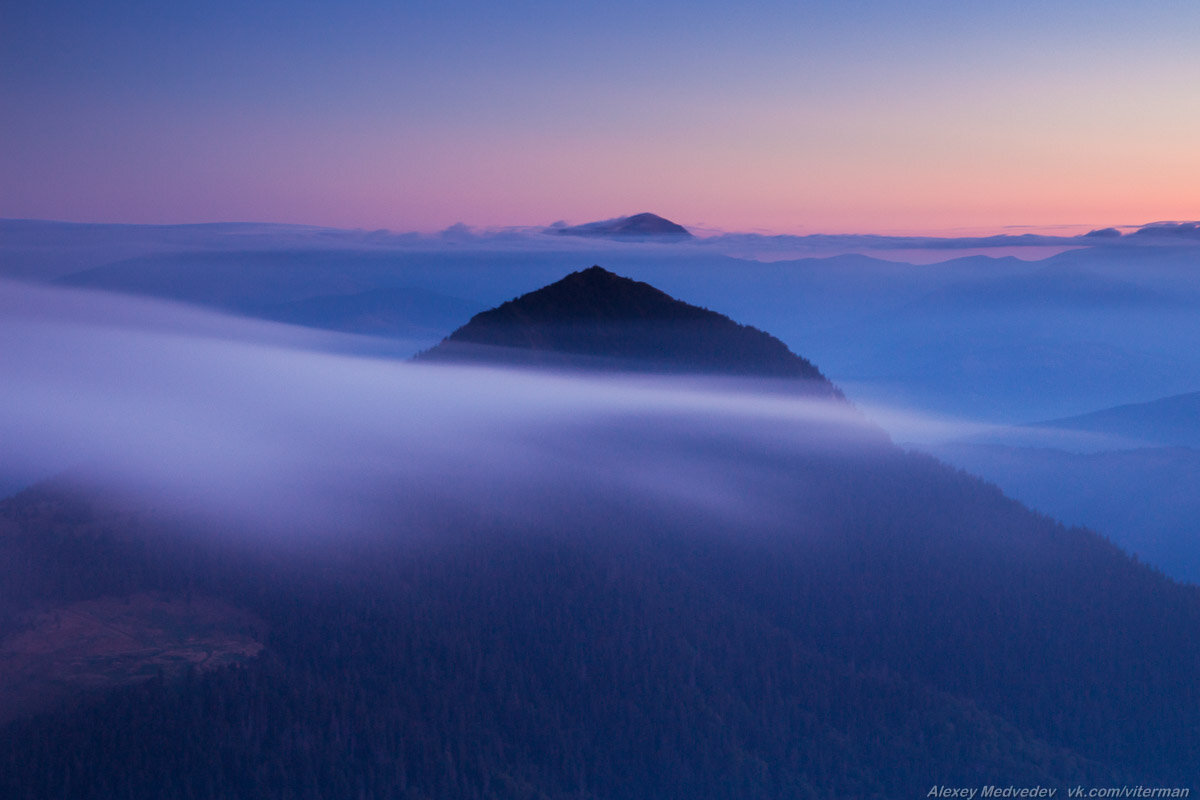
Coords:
917,118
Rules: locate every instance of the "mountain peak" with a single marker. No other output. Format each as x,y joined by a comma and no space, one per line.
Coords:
640,225
595,319
597,274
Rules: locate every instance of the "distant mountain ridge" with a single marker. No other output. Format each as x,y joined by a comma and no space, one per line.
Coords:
1168,421
391,312
637,225
1128,471
598,320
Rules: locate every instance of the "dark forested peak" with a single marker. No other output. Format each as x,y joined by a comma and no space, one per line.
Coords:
595,319
644,224
594,294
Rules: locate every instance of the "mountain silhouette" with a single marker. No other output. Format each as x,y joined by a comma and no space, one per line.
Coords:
594,319
611,606
638,225
1168,421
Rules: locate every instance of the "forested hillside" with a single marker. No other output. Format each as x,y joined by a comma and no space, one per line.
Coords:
905,622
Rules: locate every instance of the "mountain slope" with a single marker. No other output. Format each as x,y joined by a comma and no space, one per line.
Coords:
597,320
612,592
1144,498
1130,472
620,649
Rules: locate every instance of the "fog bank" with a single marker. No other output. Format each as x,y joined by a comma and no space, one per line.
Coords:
264,426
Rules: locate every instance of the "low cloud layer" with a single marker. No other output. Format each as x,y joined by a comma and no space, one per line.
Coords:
262,425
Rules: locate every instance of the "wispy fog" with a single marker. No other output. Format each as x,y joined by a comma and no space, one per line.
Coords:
260,425
923,429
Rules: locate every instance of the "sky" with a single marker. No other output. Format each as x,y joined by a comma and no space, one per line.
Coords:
862,116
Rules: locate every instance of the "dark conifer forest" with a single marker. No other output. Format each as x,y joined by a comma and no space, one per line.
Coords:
853,620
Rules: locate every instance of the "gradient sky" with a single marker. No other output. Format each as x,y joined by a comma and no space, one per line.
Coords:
853,116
